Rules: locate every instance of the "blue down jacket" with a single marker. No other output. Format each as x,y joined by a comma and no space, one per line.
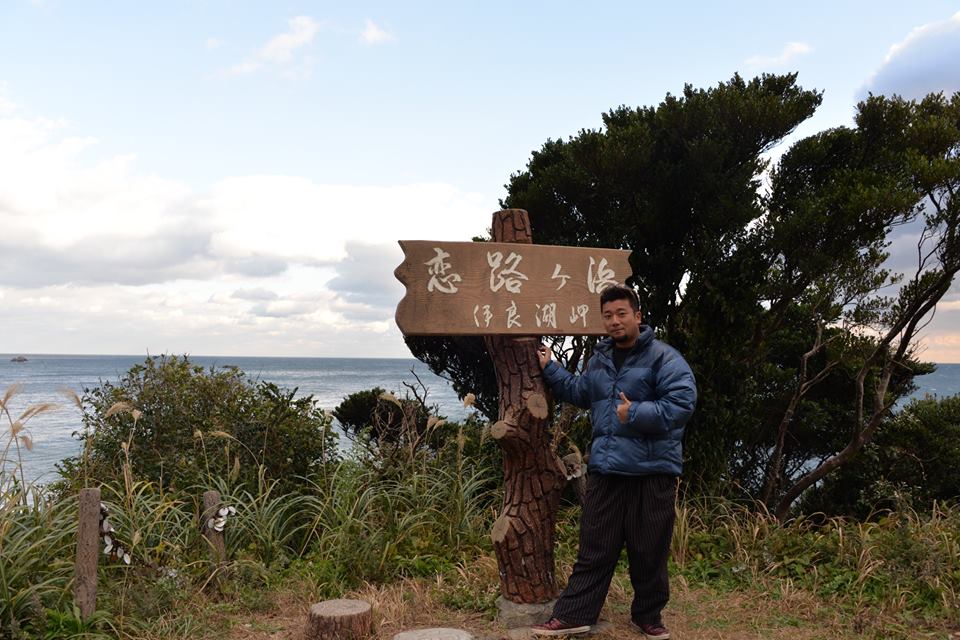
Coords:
662,390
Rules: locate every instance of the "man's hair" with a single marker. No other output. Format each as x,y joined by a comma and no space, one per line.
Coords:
619,292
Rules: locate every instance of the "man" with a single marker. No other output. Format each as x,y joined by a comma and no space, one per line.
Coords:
641,393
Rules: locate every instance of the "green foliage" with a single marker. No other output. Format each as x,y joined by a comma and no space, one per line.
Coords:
777,297
350,521
911,463
378,416
359,410
35,569
429,512
270,527
179,425
904,561
429,517
64,624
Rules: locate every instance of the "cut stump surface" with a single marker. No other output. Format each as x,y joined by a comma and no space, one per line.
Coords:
340,620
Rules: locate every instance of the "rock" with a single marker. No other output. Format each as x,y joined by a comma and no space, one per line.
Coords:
438,633
513,615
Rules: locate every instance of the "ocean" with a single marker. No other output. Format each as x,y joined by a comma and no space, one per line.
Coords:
328,380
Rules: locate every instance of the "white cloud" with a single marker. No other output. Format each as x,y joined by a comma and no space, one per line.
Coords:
922,33
213,43
6,106
244,68
283,50
373,34
258,294
790,51
251,265
923,62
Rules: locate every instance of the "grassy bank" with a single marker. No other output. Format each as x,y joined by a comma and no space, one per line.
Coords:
418,538
402,520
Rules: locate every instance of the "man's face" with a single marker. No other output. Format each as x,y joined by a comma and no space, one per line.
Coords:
621,322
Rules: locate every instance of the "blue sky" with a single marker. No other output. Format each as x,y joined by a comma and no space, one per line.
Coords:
223,177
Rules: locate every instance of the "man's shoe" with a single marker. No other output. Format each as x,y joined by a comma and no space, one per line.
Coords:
557,627
653,631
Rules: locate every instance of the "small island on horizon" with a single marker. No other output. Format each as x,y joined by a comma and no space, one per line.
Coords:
18,359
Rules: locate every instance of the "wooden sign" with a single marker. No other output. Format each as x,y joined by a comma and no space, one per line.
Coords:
484,288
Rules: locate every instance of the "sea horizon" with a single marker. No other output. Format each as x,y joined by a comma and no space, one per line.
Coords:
190,355
218,355
327,379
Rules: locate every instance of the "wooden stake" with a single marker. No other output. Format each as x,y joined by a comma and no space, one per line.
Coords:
218,548
88,552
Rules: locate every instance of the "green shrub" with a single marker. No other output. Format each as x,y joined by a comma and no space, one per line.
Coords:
382,420
911,463
179,425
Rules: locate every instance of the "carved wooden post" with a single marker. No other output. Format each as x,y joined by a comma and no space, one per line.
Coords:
88,548
523,535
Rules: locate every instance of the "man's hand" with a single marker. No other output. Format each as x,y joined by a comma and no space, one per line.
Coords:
543,353
623,409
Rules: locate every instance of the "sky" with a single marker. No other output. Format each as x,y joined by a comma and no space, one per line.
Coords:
218,177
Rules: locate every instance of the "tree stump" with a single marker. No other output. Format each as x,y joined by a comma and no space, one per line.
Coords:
534,477
340,620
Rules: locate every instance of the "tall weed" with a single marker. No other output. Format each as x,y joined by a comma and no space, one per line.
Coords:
900,561
36,534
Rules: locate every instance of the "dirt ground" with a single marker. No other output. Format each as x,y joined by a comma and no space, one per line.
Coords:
693,614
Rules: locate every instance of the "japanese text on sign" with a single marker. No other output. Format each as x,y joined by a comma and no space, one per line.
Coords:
488,288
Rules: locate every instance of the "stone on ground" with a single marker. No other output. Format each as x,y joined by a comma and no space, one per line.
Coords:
438,633
514,615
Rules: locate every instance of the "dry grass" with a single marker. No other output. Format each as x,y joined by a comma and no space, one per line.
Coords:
693,613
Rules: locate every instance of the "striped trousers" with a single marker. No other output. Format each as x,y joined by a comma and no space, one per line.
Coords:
638,511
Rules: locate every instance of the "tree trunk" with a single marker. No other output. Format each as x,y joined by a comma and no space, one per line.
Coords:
339,620
523,535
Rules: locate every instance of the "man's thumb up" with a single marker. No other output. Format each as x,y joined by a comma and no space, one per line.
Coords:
623,408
